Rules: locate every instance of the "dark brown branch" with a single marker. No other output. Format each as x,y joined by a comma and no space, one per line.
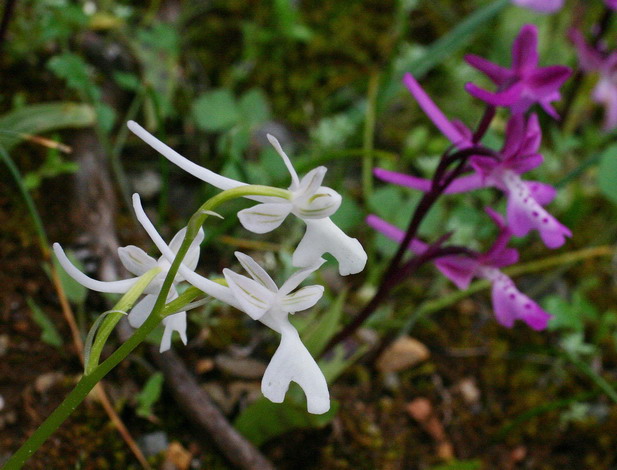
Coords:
198,407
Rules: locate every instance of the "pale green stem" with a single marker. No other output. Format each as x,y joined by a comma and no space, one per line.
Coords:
88,382
127,301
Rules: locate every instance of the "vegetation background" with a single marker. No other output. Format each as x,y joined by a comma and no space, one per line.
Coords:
211,79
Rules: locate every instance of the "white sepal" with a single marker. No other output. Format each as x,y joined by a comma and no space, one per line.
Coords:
254,298
300,275
256,271
264,218
323,203
135,260
301,299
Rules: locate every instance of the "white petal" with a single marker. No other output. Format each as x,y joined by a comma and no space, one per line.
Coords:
295,182
213,289
200,172
175,322
264,218
135,260
254,298
141,310
293,363
302,299
256,271
113,287
323,236
311,182
300,275
323,203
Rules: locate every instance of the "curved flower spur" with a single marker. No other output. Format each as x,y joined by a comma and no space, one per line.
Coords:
137,262
309,201
262,300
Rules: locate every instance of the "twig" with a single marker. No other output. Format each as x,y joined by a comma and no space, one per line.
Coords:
199,408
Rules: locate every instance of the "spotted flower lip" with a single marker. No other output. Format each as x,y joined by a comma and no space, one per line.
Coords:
137,262
524,83
509,303
309,201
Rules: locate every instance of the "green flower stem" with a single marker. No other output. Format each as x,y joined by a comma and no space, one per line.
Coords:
111,320
88,382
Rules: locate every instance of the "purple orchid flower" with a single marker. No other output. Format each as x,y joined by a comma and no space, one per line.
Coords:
524,83
509,303
592,59
612,4
525,211
541,6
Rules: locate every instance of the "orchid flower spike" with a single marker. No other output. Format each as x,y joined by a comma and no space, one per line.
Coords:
509,303
137,262
309,201
519,154
524,83
541,6
260,298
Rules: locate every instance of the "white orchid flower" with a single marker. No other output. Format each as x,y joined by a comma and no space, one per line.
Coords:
310,201
260,298
137,262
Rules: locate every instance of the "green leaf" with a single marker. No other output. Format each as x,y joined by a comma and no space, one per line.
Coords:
216,110
40,118
74,70
607,173
264,420
319,332
49,332
254,107
149,395
460,465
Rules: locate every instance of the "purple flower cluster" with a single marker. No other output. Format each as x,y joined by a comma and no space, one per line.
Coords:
519,87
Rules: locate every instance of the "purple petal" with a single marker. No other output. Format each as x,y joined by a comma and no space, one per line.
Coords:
503,98
611,4
511,305
541,6
394,233
544,81
515,133
498,74
459,185
588,57
524,163
459,269
434,113
525,49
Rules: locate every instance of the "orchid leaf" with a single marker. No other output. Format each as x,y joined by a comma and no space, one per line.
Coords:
20,124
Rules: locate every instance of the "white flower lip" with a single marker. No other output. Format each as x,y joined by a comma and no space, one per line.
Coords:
311,202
